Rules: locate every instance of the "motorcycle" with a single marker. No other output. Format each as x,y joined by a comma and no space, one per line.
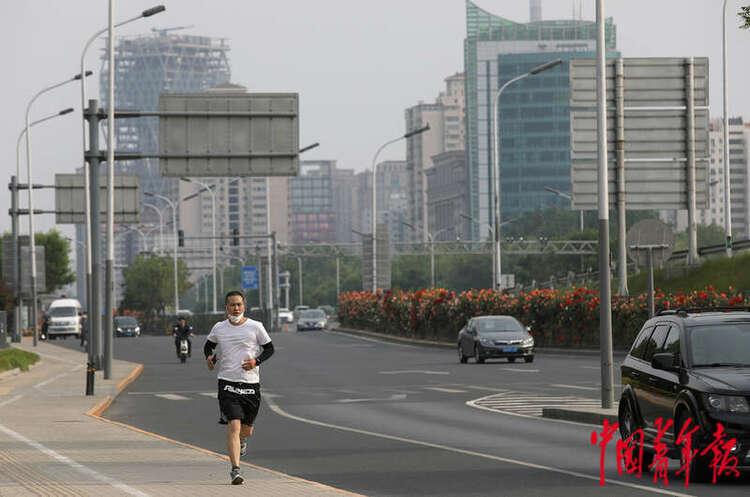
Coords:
183,349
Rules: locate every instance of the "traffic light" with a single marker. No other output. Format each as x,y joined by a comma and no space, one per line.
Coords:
180,238
235,237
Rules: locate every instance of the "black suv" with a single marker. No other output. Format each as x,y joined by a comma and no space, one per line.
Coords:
690,363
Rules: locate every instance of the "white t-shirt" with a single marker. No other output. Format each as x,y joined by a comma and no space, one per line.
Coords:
237,343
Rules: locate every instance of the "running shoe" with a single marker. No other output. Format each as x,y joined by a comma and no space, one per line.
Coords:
236,477
243,447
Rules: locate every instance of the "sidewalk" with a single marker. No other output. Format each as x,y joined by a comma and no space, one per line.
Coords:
52,442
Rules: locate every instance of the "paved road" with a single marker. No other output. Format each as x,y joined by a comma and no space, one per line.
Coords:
387,419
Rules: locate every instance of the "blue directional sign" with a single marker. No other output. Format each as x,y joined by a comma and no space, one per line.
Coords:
249,278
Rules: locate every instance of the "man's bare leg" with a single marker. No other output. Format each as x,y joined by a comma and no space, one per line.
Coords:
233,441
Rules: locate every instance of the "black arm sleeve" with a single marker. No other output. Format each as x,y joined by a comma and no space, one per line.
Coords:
208,348
267,352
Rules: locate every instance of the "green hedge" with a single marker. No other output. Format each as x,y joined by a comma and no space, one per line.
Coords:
567,318
13,358
201,323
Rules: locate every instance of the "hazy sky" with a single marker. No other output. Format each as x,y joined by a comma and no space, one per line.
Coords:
356,64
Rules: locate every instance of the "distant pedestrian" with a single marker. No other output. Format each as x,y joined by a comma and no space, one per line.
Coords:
84,328
244,344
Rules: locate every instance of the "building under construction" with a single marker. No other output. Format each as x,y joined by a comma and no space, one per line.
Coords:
146,66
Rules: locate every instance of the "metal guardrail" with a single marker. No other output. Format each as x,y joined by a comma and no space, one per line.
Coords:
711,249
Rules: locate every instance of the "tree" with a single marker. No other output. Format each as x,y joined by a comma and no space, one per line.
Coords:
744,14
149,283
56,259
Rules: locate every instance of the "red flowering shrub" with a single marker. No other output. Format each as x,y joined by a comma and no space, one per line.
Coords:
569,319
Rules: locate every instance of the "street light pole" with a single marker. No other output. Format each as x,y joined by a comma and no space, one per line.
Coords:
32,242
725,126
375,198
86,179
605,290
496,162
567,196
213,231
160,247
174,233
15,227
299,269
431,241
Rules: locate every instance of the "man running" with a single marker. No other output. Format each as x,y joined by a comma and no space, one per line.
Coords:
245,344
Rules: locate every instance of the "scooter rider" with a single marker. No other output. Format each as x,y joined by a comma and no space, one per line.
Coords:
182,330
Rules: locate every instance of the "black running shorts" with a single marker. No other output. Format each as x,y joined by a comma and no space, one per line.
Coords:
239,400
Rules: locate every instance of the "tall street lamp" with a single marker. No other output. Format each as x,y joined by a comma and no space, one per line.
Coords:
213,230
110,187
174,244
30,182
158,247
496,160
567,196
299,269
431,240
725,126
406,135
14,220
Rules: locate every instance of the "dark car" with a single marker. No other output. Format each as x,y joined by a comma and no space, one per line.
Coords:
329,310
313,319
689,364
488,337
126,326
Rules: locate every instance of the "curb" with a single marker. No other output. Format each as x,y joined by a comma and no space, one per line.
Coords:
16,371
592,416
446,345
103,404
96,411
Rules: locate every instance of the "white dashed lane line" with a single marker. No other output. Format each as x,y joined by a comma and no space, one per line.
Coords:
171,396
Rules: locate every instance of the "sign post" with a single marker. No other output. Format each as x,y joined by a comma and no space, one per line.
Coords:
249,278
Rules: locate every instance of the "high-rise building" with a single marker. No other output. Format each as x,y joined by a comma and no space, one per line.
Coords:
446,195
145,67
392,202
714,213
447,133
344,185
739,177
534,114
312,214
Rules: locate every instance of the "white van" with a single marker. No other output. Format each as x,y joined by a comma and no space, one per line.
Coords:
63,318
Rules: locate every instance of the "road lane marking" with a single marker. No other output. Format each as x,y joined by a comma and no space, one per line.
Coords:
55,358
591,367
50,380
476,387
210,394
413,371
73,464
10,401
518,370
577,387
447,390
528,405
368,339
281,412
172,396
170,391
395,396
